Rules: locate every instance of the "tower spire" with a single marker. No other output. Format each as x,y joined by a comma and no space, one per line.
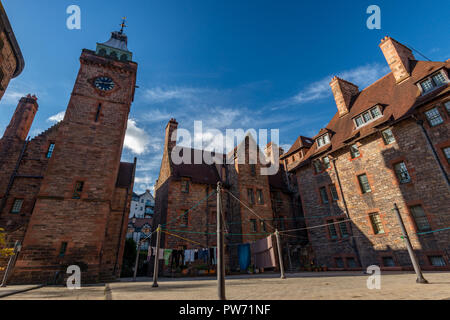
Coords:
123,25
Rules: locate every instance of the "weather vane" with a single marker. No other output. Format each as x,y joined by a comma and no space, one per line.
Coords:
123,25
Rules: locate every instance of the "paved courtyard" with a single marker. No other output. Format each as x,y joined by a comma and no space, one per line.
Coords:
305,286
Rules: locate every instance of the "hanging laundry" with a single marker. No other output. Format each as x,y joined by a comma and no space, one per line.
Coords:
166,256
244,256
264,253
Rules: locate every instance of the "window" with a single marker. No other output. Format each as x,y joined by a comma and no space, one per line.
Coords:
351,263
326,163
263,226
377,225
323,140
434,117
446,152
324,195
185,220
124,57
364,184
332,229
78,190
447,106
354,151
437,261
388,262
250,196
99,108
253,170
113,55
185,186
282,223
318,167
420,218
339,263
259,196
402,173
388,137
63,249
50,150
433,82
102,52
253,225
17,206
368,116
343,228
334,194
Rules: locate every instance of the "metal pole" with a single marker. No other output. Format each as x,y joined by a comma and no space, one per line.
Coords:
138,249
280,257
412,255
158,244
220,247
11,263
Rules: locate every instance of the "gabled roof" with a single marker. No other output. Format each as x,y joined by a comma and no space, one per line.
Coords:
396,100
301,142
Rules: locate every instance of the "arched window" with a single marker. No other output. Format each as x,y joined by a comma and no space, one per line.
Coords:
124,57
102,52
113,55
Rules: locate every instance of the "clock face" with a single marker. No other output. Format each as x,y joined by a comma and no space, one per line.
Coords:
104,83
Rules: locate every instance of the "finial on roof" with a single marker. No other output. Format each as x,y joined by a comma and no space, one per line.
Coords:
123,25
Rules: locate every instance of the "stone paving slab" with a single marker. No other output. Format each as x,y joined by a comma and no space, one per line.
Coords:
11,290
305,286
397,286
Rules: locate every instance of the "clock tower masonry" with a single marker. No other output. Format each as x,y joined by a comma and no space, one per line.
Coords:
81,209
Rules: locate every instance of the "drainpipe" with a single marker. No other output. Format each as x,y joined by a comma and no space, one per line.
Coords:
354,245
430,144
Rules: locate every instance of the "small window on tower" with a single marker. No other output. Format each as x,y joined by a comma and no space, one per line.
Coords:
63,250
259,196
250,196
354,150
446,152
50,150
17,206
185,186
253,170
78,190
253,225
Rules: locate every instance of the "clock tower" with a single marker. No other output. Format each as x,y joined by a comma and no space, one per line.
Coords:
80,214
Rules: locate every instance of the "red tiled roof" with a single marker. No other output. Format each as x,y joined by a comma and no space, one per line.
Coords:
301,142
396,100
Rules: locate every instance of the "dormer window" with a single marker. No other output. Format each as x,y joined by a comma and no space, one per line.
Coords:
433,82
368,116
323,140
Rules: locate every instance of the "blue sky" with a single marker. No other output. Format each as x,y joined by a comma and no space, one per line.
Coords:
232,64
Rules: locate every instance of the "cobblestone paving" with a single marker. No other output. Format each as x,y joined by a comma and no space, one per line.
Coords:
324,286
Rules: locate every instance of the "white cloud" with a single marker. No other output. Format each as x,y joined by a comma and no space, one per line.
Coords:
57,117
159,94
362,76
12,97
136,139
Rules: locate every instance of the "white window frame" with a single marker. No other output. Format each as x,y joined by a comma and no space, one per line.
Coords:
438,116
363,115
433,83
323,140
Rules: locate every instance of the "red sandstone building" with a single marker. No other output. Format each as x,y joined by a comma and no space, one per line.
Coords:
387,144
65,194
181,187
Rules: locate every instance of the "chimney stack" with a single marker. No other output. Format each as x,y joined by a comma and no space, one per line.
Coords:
171,135
343,92
23,117
398,57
